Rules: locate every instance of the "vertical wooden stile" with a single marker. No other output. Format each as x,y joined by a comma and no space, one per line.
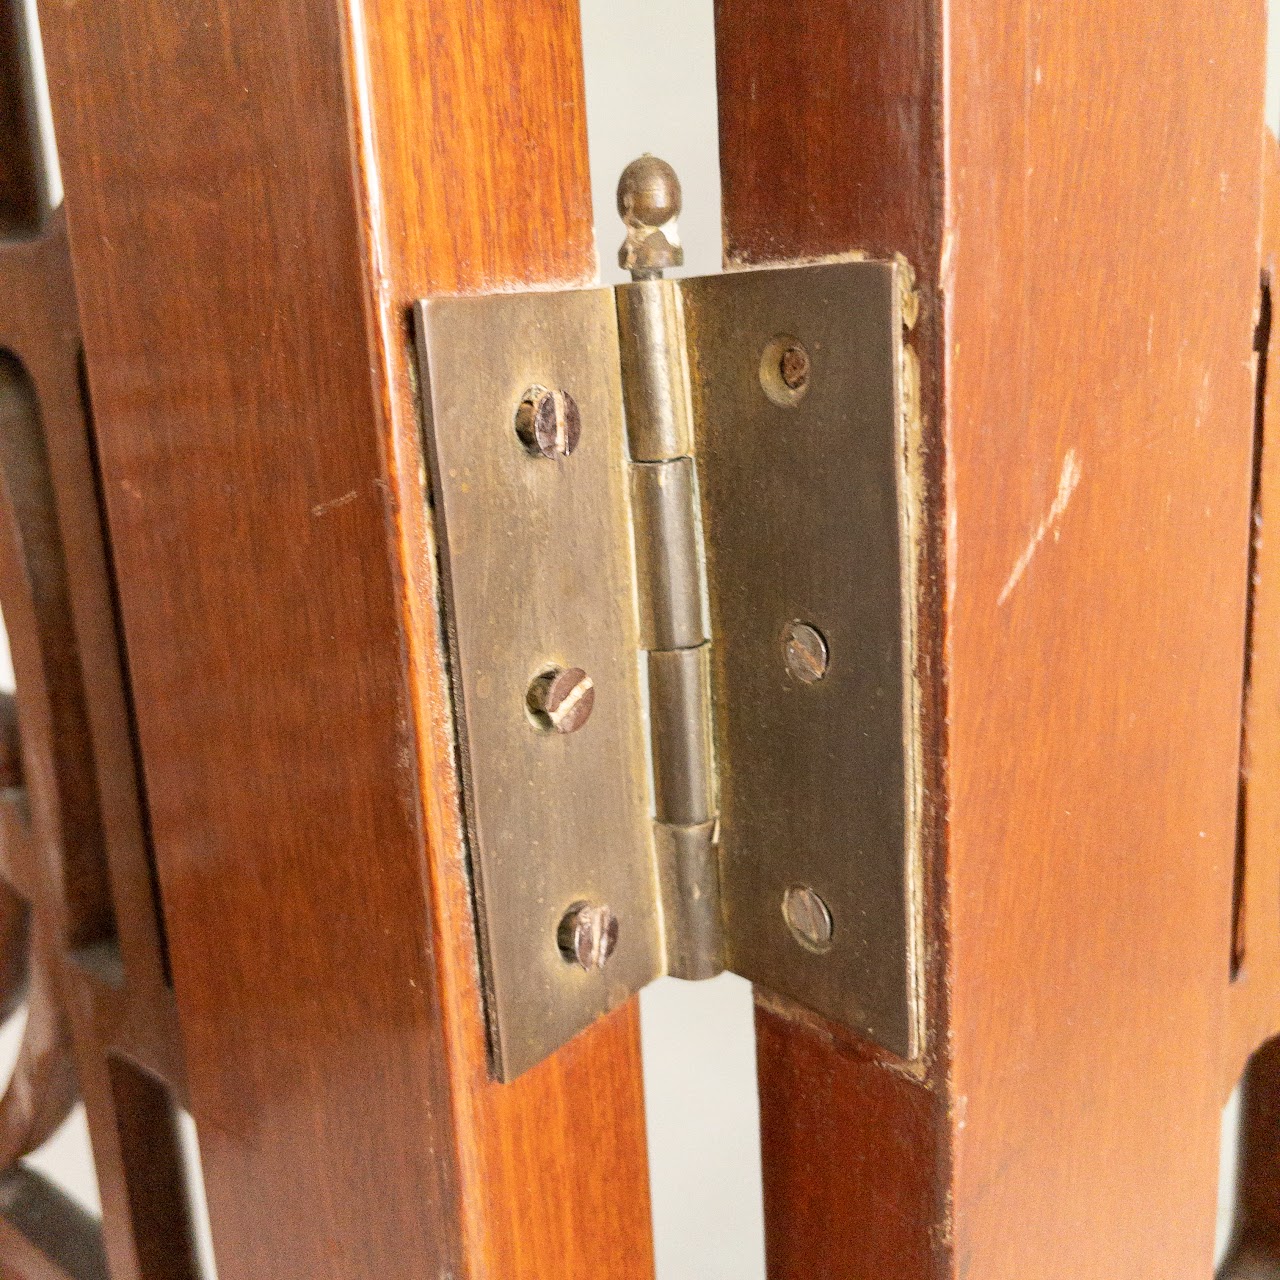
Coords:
1077,188
256,193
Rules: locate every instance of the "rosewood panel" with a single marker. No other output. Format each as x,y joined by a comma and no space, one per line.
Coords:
1077,187
256,192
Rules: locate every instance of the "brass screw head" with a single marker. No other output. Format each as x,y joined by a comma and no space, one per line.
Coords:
786,369
588,935
806,652
548,423
808,918
561,699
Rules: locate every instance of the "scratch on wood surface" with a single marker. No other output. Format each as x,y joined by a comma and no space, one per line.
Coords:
1067,483
323,508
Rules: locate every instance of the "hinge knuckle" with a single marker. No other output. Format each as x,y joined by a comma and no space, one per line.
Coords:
672,608
668,555
680,735
655,371
689,875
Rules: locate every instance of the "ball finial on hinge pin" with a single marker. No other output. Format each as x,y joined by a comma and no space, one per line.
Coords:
649,203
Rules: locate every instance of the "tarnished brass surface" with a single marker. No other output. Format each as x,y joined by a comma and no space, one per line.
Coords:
655,370
680,713
668,554
801,509
746,806
538,573
693,924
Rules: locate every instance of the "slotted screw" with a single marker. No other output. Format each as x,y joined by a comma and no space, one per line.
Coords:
561,699
808,918
806,652
794,368
548,422
588,935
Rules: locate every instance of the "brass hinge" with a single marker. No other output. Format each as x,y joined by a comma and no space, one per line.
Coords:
674,523
675,633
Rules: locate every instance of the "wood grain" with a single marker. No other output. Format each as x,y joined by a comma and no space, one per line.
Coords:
830,140
75,848
256,192
1092,870
1066,186
1254,993
455,217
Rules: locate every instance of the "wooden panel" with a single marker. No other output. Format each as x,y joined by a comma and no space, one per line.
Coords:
81,856
1254,996
457,217
256,192
1101,361
829,141
1086,240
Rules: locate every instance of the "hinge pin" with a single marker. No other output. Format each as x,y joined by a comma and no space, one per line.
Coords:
588,935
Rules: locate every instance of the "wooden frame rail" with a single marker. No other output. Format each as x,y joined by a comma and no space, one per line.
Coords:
74,840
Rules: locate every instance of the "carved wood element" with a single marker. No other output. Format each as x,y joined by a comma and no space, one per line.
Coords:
73,851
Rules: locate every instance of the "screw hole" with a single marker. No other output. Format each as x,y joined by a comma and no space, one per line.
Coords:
786,371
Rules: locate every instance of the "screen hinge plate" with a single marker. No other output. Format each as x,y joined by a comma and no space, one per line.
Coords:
674,522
